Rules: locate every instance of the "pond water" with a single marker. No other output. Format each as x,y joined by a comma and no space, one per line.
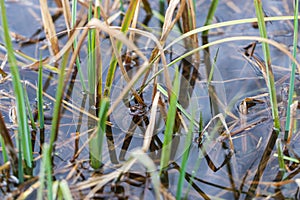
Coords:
215,171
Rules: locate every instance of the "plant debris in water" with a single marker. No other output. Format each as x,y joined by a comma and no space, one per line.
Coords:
111,108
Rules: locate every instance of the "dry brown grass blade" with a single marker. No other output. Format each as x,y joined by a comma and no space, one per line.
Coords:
59,3
167,27
192,26
9,145
150,128
169,23
292,121
67,14
49,27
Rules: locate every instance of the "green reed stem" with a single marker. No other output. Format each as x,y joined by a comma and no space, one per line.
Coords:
185,156
170,122
4,153
29,111
45,174
270,76
210,15
73,24
57,105
292,78
179,106
280,155
96,143
40,97
113,64
212,68
23,127
65,190
91,54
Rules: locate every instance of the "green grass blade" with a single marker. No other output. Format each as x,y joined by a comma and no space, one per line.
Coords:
187,144
212,68
295,160
73,23
210,15
280,156
91,54
20,159
42,174
64,188
4,153
33,126
45,175
266,50
165,93
57,105
23,127
292,77
96,143
48,169
168,134
40,97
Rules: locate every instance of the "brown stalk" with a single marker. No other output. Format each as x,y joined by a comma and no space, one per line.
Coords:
9,145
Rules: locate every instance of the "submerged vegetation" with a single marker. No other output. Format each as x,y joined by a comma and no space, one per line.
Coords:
150,100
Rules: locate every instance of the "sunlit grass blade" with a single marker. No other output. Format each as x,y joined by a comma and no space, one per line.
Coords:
292,77
45,175
23,127
4,153
65,190
168,134
295,160
96,143
185,156
185,113
212,68
266,51
210,15
29,112
113,64
57,106
91,54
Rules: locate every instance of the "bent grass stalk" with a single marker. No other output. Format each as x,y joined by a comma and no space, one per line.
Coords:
113,64
292,77
266,51
23,127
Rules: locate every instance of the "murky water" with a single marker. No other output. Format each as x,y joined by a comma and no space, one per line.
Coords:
251,169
